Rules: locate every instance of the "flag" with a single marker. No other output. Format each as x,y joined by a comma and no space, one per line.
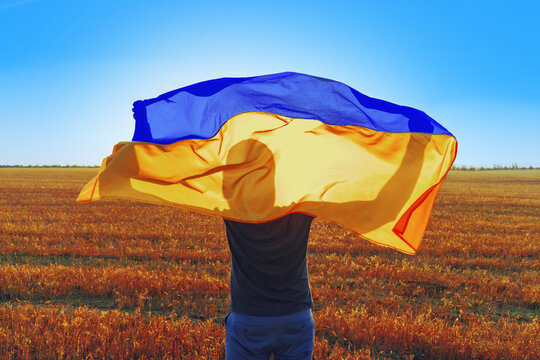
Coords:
257,148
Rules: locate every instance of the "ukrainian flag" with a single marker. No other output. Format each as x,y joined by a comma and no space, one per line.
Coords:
258,148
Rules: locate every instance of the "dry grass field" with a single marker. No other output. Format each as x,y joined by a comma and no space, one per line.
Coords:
123,280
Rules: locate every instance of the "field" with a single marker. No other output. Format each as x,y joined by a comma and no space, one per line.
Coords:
124,280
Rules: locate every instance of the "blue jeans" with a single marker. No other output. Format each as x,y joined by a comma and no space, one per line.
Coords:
257,337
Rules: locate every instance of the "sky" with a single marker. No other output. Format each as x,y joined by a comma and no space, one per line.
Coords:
70,71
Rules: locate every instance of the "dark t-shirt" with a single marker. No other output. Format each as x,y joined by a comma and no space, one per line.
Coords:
268,269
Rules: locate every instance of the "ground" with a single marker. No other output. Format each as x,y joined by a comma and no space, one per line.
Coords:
119,279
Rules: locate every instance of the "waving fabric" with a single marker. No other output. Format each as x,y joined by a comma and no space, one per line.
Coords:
258,148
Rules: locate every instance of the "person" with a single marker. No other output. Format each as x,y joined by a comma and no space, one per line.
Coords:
270,306
270,295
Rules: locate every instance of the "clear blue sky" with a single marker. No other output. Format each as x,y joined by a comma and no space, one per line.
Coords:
70,70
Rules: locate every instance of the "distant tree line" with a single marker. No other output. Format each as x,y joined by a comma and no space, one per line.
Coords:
454,167
494,167
49,166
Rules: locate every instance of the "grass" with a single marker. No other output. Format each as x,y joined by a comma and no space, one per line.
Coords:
142,271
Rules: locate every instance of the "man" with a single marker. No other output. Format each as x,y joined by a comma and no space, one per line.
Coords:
270,294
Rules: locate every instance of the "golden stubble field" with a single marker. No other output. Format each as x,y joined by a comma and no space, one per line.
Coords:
124,280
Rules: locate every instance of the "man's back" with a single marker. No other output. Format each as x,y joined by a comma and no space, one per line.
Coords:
268,271
270,295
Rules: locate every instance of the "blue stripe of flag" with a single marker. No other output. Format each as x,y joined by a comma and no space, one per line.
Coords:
198,111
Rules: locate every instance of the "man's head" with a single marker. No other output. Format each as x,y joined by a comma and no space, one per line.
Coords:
248,178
